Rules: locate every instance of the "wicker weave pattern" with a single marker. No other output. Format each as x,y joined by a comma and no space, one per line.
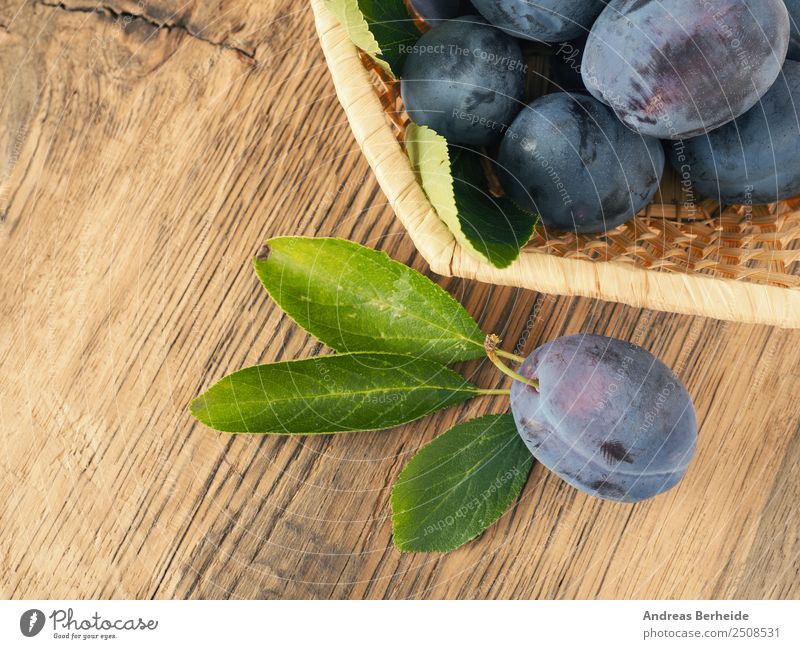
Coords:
732,263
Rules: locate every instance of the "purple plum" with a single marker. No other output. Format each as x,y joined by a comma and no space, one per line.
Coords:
435,11
465,80
549,21
675,69
753,160
567,158
608,417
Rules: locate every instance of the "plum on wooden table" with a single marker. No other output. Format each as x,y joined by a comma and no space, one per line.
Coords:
608,417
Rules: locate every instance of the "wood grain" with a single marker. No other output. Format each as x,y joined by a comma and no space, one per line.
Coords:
141,168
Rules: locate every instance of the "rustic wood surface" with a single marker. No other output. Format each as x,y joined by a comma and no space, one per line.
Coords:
142,162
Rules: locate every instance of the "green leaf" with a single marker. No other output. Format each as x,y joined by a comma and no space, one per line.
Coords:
382,28
331,394
357,299
459,484
493,229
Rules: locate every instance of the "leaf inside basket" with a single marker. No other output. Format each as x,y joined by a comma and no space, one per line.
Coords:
382,28
492,228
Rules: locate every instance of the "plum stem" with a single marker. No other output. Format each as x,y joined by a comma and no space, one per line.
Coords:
496,393
490,345
510,356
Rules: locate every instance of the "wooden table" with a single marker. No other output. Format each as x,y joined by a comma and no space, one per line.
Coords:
142,166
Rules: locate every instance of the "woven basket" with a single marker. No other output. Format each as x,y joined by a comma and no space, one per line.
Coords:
725,262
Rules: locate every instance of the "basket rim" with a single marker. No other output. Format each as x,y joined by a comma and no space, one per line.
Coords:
684,293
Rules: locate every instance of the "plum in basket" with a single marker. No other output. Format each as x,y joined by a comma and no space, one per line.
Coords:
434,11
550,21
568,159
754,159
679,68
465,80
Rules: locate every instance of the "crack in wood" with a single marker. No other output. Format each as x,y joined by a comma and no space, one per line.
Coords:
168,25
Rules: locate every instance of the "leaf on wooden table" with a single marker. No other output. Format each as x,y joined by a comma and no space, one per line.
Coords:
459,484
354,299
331,394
